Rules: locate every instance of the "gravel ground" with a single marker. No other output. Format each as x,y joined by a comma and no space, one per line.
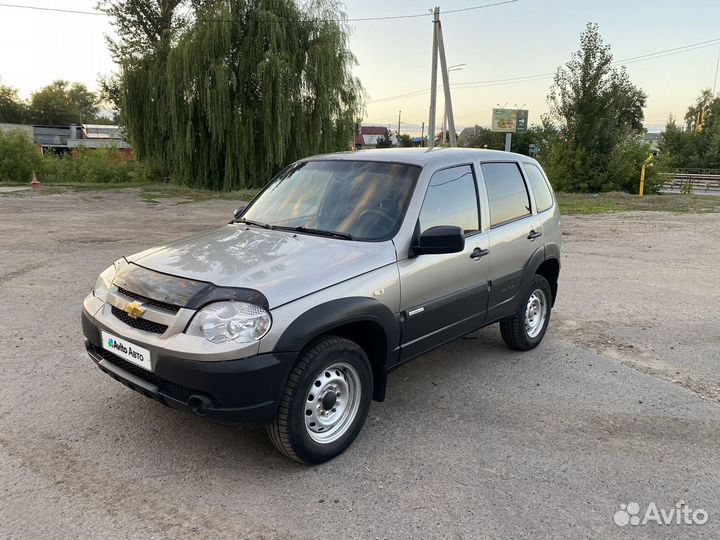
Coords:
619,404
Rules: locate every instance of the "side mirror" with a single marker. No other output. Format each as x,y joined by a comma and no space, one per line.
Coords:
441,239
238,212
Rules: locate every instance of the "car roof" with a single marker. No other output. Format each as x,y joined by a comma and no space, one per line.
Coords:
424,156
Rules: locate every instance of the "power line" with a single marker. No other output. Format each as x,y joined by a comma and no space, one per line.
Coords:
540,76
38,8
478,7
358,19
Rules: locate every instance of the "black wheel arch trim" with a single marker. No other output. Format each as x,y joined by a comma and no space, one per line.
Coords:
323,318
552,251
542,254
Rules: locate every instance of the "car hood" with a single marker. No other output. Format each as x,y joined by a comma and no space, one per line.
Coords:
282,265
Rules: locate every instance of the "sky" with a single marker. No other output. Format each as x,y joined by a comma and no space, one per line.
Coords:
518,39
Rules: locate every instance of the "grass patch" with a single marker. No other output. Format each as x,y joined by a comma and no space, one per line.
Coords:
600,203
191,195
149,192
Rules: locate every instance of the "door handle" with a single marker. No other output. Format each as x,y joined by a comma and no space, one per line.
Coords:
478,253
533,235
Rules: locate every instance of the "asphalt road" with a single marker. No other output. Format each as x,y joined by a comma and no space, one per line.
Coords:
619,404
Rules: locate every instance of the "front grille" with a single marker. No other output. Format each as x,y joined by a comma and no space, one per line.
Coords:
166,387
146,300
140,324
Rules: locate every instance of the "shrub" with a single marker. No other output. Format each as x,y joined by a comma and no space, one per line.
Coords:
102,165
19,157
625,166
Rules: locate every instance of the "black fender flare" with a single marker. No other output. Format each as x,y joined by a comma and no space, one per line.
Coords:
531,266
541,255
323,318
552,251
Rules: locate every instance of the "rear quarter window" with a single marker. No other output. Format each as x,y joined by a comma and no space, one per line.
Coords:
540,188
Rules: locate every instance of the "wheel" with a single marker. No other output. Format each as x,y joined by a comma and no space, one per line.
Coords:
526,328
325,402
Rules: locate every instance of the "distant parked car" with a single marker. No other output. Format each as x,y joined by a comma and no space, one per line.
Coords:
343,268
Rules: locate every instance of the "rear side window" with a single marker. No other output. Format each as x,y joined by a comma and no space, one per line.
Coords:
451,199
506,191
540,188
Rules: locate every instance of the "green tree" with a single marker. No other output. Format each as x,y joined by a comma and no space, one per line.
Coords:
704,114
384,141
62,103
405,141
484,138
596,108
228,95
19,157
12,109
697,144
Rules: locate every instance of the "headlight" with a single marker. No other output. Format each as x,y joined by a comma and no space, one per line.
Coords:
104,280
221,322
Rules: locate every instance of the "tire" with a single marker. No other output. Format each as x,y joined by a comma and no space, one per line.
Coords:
515,332
325,402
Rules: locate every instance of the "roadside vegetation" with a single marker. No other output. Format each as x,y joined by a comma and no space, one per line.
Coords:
600,203
19,158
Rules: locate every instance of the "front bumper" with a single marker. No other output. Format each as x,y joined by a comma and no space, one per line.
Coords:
243,392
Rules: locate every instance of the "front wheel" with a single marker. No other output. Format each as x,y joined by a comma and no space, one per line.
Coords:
325,402
526,328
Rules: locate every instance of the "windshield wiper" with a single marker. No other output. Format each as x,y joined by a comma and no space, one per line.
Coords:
256,223
320,232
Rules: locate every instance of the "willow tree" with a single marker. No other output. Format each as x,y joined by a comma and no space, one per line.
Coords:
240,89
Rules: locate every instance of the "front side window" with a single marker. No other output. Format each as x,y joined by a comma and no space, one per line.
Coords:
363,200
540,188
451,199
507,194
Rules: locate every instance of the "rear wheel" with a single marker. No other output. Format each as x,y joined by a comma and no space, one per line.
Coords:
325,402
526,328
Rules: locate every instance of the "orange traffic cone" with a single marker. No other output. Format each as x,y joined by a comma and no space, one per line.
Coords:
35,183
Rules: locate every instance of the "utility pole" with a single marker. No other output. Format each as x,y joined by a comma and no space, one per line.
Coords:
456,67
422,135
398,135
439,51
433,79
446,84
717,65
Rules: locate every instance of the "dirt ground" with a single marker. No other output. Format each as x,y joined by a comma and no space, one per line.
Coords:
619,404
645,288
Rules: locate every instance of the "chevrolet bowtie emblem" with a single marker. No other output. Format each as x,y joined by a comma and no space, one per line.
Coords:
134,309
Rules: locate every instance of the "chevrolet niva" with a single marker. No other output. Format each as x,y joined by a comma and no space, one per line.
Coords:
343,268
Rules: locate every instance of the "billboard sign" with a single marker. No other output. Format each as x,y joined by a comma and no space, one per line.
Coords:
509,120
521,124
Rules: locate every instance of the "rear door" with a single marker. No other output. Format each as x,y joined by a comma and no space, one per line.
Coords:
515,233
445,296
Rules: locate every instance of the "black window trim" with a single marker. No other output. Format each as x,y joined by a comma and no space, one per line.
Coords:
477,195
547,183
527,191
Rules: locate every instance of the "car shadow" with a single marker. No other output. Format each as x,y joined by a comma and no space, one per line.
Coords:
189,442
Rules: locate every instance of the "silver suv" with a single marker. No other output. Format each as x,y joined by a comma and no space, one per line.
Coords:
342,269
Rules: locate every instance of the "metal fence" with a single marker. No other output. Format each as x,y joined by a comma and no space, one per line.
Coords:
699,181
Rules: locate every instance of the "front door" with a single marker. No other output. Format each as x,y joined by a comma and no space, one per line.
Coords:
445,296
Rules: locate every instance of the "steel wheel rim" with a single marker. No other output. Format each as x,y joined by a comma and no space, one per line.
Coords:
332,402
535,313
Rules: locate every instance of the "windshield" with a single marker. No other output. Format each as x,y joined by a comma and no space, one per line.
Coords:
362,200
